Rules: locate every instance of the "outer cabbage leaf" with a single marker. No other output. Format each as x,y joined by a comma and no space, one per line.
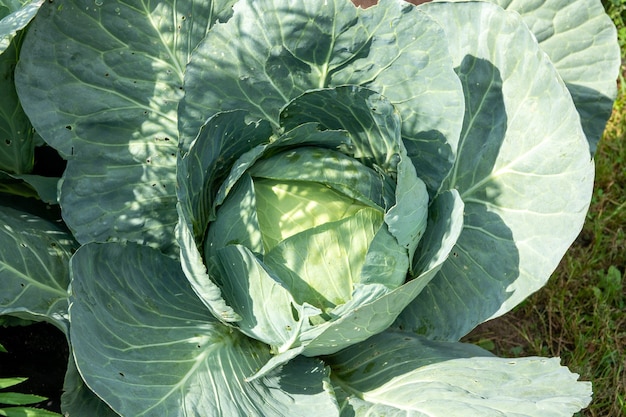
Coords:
145,343
523,171
101,82
17,145
34,267
28,185
402,374
14,16
270,52
580,39
15,186
79,400
45,187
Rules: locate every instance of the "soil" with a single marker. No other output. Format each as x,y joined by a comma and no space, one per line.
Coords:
38,351
500,336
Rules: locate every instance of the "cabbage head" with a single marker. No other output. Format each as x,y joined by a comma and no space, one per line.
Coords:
311,222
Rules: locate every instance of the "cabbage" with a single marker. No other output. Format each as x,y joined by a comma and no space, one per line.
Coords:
293,208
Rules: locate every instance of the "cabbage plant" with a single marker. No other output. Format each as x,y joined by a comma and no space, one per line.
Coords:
293,208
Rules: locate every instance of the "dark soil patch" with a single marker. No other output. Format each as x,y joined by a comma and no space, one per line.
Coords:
39,352
501,336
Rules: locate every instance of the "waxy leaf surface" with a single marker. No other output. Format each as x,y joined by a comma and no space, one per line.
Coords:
101,82
523,170
148,346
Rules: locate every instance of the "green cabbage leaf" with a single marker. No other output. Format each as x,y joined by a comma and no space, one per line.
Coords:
292,207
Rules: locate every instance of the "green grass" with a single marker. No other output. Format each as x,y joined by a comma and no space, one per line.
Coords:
18,402
579,314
